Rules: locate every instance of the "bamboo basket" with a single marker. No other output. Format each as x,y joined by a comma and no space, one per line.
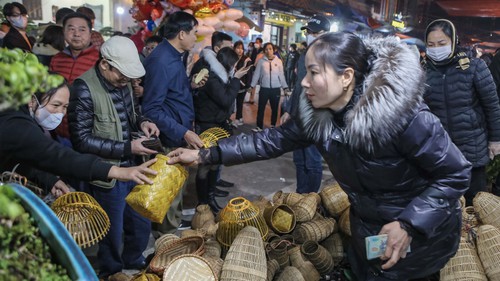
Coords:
202,215
292,198
277,250
83,217
334,200
464,266
143,276
262,203
318,256
317,196
272,268
189,268
487,206
193,232
280,218
317,230
462,202
239,213
189,245
296,257
212,249
290,273
278,197
345,222
246,258
210,136
309,272
165,240
488,248
215,264
333,244
210,229
305,208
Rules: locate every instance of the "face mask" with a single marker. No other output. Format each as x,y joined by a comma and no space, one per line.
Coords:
309,39
17,22
439,53
48,121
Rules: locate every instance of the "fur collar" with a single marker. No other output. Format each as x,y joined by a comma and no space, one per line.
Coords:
44,49
215,66
381,107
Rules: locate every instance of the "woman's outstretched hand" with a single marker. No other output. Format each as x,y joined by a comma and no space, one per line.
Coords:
136,173
184,156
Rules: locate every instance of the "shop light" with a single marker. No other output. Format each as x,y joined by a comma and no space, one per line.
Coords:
120,10
334,27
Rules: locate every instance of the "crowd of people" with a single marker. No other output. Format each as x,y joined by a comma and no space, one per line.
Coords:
404,152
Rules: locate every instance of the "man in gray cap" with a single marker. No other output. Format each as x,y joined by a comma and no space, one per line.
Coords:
103,116
308,161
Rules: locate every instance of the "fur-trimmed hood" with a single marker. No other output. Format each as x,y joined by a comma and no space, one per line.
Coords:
381,106
211,58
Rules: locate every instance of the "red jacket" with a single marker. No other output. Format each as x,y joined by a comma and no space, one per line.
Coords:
71,68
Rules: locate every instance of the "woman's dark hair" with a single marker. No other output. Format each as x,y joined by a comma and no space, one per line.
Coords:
443,25
8,9
227,57
341,50
154,38
45,97
86,11
267,44
80,16
218,38
177,22
54,36
238,43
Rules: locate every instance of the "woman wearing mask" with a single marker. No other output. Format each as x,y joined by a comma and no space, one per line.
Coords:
243,61
463,96
213,106
25,140
362,107
17,16
269,74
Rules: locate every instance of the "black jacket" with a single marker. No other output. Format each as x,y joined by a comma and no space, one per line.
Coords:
81,121
13,39
41,158
466,102
388,152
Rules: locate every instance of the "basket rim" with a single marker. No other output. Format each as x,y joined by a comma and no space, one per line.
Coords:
191,256
199,251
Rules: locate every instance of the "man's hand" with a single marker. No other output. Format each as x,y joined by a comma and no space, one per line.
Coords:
137,88
139,149
59,189
136,173
285,117
398,242
184,156
149,129
193,140
200,84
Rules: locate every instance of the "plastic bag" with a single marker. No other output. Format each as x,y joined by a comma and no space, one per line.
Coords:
153,201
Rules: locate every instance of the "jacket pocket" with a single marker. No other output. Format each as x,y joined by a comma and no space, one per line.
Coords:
104,123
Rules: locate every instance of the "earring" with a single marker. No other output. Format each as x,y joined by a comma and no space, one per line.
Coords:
345,89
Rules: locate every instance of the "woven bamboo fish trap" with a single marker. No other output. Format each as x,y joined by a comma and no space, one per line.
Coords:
488,248
272,267
210,229
202,215
333,244
334,200
305,208
152,201
277,250
290,273
83,217
246,258
292,198
280,218
345,222
296,257
215,264
164,240
239,213
189,268
262,203
142,276
278,197
317,196
462,202
212,135
212,249
193,232
317,230
487,206
318,256
464,266
309,272
189,245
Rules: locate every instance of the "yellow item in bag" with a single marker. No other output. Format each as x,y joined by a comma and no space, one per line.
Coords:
152,201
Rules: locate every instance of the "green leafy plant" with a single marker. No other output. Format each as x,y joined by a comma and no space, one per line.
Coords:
21,75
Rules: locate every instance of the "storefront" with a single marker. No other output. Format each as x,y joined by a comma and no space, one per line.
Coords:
279,28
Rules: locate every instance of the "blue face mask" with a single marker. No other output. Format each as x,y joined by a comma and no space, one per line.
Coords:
17,22
48,121
439,53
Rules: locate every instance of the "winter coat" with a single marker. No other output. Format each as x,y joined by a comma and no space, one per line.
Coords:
44,53
466,102
388,152
213,102
269,74
23,142
81,120
14,39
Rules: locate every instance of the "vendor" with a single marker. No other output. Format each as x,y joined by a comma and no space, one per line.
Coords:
25,140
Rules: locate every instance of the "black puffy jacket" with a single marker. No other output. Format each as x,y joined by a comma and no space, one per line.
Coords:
391,156
81,120
466,102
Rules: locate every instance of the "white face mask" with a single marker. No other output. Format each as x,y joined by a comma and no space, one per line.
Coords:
439,53
48,121
309,39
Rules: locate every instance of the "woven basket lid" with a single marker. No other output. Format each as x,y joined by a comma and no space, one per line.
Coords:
212,135
189,268
190,245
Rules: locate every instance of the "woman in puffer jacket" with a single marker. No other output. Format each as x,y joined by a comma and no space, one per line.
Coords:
462,94
363,108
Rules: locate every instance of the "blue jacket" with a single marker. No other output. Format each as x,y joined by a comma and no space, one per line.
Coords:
168,101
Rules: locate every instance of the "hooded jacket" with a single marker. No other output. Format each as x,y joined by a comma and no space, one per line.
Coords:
388,152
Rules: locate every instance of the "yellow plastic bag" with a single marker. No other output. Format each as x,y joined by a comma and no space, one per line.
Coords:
153,201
